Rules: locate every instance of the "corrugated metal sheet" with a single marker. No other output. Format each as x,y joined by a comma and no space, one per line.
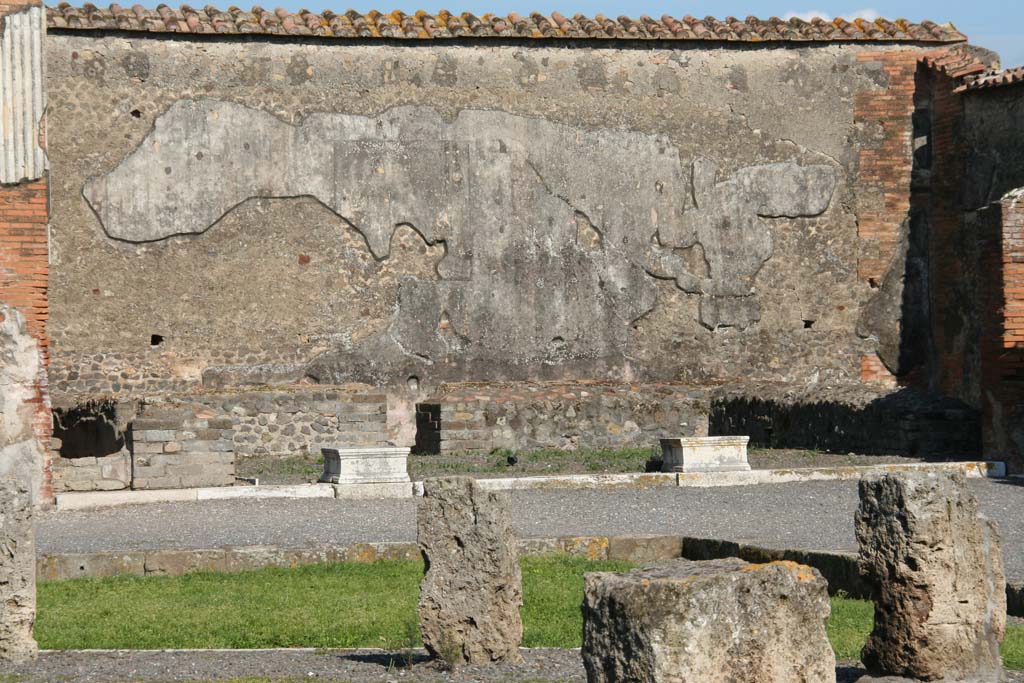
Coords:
21,95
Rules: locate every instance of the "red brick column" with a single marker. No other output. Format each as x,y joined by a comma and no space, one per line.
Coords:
884,173
24,202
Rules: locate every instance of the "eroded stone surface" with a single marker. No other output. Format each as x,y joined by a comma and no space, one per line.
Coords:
17,573
21,455
715,621
472,591
504,194
936,566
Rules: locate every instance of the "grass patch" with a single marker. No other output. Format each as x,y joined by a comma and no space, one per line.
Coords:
849,626
344,605
552,594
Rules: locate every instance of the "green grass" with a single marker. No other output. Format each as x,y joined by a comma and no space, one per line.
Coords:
849,626
337,606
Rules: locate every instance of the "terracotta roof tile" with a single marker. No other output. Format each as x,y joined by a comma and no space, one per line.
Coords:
993,79
423,26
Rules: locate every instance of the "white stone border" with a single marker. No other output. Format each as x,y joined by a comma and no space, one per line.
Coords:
98,499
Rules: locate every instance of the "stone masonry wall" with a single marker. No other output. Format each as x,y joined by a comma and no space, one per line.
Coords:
552,416
181,449
601,279
104,473
856,419
993,215
1001,307
282,423
188,440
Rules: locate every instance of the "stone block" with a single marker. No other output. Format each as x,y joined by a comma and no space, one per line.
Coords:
720,621
365,465
178,562
935,569
370,491
17,573
472,591
641,549
79,565
152,435
705,454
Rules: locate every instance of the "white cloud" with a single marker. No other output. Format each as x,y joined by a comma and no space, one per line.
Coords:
867,14
807,16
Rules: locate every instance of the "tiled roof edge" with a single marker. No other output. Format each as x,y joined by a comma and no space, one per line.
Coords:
423,26
993,79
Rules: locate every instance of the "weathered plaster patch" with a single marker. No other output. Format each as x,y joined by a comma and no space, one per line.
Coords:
551,232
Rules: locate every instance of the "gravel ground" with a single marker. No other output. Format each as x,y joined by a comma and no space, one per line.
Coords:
812,515
539,666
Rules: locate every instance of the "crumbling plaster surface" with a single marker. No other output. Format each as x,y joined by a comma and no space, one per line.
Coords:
354,287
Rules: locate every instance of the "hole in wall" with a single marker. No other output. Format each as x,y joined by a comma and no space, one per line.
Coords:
413,383
136,114
428,429
88,430
873,283
808,324
156,339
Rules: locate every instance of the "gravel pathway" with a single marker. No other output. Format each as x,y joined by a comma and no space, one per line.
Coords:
812,515
539,666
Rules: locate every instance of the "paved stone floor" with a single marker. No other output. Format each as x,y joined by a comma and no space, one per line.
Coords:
813,515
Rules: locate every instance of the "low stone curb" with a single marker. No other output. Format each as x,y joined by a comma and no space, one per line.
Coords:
97,499
839,568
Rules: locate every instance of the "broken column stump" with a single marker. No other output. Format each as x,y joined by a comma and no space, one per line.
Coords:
936,572
719,621
17,573
472,591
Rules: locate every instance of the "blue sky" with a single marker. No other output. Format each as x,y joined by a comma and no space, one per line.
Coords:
995,24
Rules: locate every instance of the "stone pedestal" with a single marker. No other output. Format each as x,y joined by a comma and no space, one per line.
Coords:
365,465
705,454
472,591
936,572
17,573
720,621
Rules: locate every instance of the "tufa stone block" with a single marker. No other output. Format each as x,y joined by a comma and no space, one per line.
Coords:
17,573
472,591
719,621
936,572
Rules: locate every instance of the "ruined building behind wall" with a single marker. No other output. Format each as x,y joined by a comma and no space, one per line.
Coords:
269,232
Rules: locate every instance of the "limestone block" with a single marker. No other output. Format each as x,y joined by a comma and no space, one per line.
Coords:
719,621
365,465
936,572
705,454
472,591
17,573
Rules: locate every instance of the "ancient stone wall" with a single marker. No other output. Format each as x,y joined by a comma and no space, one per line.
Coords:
861,419
530,417
406,216
188,440
994,212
